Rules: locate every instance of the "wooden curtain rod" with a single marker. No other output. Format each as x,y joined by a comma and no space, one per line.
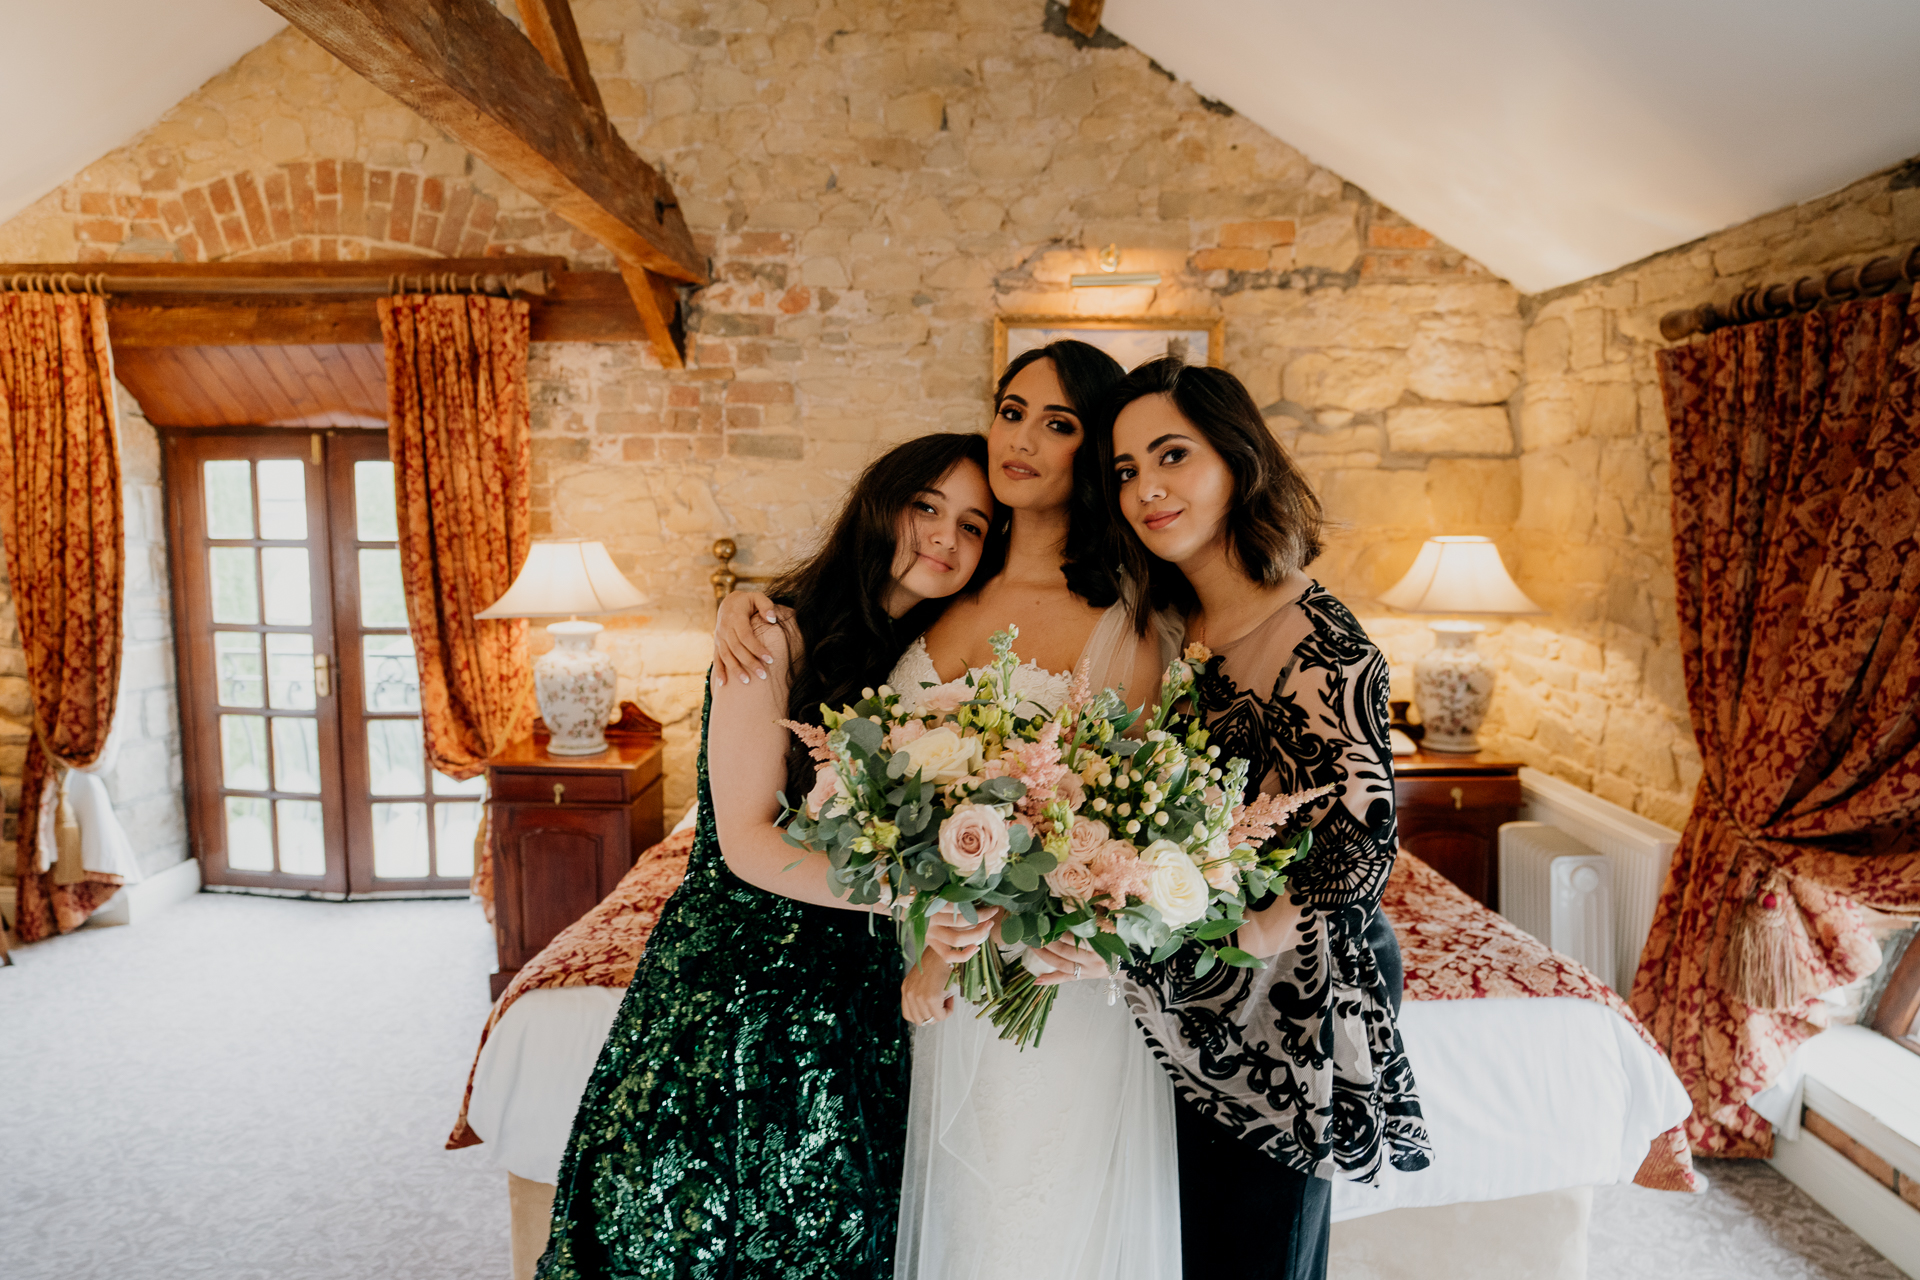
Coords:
1777,301
532,282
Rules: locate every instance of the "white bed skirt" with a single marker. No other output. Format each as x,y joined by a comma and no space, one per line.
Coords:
1537,1237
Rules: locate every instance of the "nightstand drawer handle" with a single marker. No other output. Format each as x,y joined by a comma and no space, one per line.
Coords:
1457,794
560,790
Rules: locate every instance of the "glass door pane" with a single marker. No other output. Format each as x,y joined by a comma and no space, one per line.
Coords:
250,532
418,825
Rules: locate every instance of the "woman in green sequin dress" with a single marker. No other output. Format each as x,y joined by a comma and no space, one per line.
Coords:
747,1115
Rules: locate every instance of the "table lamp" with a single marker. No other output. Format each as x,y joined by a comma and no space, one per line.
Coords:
573,681
1453,682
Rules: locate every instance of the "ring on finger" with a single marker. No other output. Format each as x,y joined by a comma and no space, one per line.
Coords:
1076,971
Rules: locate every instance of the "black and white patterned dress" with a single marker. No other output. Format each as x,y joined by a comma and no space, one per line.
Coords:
1302,1059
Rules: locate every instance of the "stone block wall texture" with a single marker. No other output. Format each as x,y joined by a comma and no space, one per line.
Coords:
1593,692
875,182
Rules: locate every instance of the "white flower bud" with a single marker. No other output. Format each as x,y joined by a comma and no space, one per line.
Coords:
1133,827
1124,810
1213,753
1160,819
867,692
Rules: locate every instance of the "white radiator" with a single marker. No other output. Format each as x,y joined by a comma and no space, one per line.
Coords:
1560,891
1637,850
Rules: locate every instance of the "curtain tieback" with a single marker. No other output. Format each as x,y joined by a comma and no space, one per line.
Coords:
1766,962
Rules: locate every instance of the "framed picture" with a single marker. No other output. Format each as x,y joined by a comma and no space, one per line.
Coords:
1132,340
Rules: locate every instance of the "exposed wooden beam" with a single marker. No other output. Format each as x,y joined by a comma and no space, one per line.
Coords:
1084,16
175,309
549,25
465,67
656,300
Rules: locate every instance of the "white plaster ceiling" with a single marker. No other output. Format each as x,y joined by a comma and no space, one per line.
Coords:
85,76
1557,139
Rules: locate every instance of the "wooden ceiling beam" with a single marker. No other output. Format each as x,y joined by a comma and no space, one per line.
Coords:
464,67
549,25
1084,16
320,303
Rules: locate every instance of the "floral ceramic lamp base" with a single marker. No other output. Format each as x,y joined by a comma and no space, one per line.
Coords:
1453,686
574,684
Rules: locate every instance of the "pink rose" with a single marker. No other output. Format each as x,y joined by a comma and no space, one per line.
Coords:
1071,790
974,839
1212,795
904,733
944,698
826,786
1085,839
1073,881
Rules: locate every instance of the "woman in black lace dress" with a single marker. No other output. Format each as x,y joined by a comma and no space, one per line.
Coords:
1294,1074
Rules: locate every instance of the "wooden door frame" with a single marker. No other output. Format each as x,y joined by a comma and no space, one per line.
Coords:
183,494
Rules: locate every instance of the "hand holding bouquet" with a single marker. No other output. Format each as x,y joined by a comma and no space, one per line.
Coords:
1137,847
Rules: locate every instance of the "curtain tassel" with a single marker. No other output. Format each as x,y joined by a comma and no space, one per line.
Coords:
1763,965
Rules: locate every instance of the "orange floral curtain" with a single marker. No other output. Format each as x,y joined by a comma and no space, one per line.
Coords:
460,433
60,516
1796,529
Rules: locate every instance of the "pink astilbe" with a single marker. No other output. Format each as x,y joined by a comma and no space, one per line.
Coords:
1118,874
1038,765
1080,692
1254,824
814,736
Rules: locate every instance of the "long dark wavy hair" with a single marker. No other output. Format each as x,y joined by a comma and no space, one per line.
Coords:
1274,524
844,639
1089,376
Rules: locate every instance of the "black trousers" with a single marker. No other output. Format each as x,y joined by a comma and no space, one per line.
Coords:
1243,1214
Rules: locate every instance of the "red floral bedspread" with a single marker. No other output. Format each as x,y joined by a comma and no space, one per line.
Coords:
1455,949
600,949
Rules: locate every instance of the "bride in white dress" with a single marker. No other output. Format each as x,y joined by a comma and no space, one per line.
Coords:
1057,1162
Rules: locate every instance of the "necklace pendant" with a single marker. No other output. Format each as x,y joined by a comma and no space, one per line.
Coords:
1113,988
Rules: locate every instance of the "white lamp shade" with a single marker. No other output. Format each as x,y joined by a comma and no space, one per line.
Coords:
1458,575
564,580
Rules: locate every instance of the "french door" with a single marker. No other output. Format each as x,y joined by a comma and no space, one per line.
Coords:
299,697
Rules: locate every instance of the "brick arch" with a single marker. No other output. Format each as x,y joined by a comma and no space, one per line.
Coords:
314,211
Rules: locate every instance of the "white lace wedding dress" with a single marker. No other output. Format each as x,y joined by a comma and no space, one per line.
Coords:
1053,1163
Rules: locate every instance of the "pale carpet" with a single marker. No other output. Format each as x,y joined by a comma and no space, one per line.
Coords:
247,1088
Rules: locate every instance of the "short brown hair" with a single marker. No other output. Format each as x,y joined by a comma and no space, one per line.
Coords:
1274,523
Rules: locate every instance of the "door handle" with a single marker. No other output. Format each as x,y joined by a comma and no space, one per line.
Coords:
559,791
322,676
1458,795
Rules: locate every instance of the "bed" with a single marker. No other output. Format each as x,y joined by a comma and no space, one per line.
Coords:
1537,1081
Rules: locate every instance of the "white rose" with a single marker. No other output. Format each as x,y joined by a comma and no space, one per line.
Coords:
1175,887
1218,857
942,756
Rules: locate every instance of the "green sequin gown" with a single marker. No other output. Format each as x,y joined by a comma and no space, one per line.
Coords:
747,1117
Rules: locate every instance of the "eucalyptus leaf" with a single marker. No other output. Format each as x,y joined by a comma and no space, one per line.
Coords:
863,733
1022,875
1000,790
1019,837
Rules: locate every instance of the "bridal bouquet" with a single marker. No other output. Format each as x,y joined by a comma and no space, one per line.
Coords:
1137,847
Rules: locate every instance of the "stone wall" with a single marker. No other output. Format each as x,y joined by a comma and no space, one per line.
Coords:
874,183
1593,692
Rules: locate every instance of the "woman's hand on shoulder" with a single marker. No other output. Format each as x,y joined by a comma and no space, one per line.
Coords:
740,636
924,998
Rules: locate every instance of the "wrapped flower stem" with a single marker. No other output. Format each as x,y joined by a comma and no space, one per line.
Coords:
1020,1014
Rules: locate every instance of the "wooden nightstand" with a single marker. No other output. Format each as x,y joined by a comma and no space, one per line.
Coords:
1450,808
565,829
